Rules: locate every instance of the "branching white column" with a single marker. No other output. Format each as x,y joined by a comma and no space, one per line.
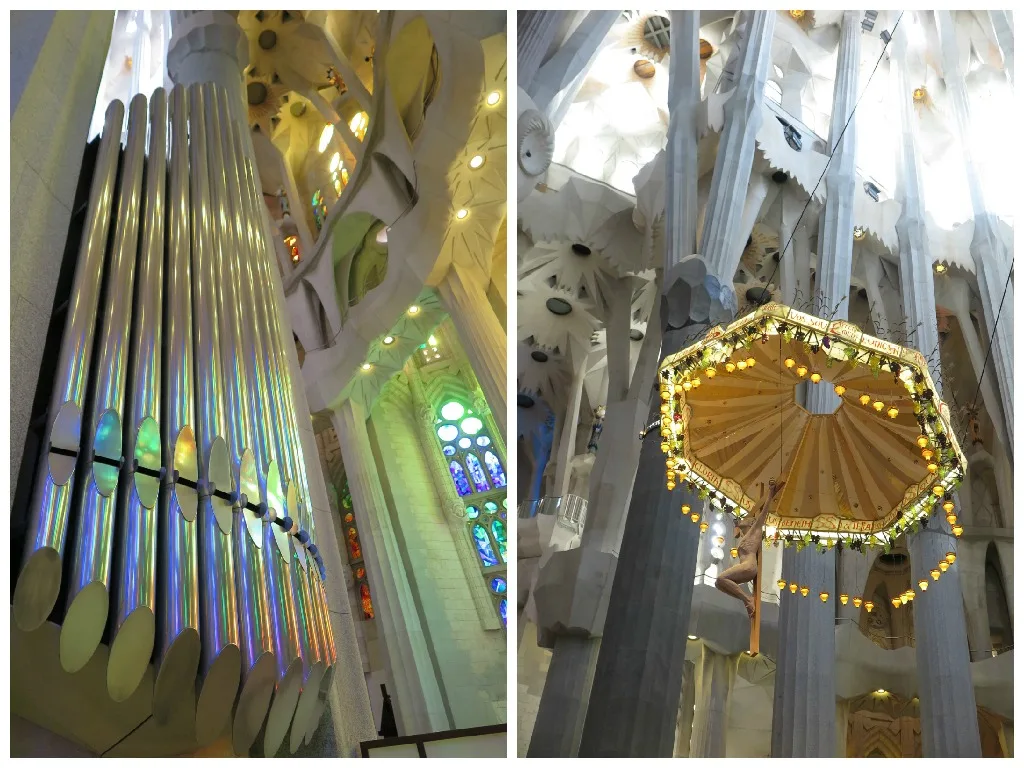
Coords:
571,60
1002,25
567,436
949,722
735,158
534,35
795,259
418,703
715,674
482,338
990,252
803,720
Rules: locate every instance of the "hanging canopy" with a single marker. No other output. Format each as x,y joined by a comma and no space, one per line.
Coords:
867,471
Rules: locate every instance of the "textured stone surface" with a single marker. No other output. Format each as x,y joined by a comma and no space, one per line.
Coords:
534,34
715,674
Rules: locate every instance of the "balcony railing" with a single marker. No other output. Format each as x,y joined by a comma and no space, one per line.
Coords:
570,510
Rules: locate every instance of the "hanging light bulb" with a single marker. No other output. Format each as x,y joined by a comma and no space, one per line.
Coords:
815,377
869,606
938,490
741,364
932,467
904,598
686,509
951,518
844,598
703,526
840,389
801,370
893,412
789,362
670,485
943,566
679,389
864,399
687,386
793,587
823,596
896,602
878,405
958,530
695,516
935,573
781,584
923,584
804,590
948,505
730,366
750,362
911,595
734,553
665,395
719,540
927,453
696,381
711,372
922,441
951,557
857,601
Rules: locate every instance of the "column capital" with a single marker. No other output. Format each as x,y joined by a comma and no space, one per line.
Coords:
205,32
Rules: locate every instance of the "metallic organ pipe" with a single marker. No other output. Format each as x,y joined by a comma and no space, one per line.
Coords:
220,663
277,566
178,648
258,668
88,598
283,422
135,592
39,582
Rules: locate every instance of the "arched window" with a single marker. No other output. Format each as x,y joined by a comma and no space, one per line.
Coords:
478,474
999,628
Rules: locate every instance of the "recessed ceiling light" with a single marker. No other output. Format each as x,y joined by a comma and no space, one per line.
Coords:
461,213
389,340
493,98
414,310
476,161
367,366
432,341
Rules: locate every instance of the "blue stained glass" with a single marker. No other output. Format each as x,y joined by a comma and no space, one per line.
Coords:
476,472
498,529
459,476
472,512
483,546
494,467
449,450
498,585
490,506
503,609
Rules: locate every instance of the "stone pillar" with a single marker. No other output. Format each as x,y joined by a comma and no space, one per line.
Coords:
736,147
795,259
757,191
989,250
566,691
1002,26
971,563
684,724
803,719
417,698
949,723
534,34
715,674
571,60
854,568
481,336
842,725
567,436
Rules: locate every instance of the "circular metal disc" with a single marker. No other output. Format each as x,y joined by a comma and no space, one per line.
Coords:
176,672
66,434
293,513
130,653
186,463
220,476
82,630
251,488
286,697
217,694
253,702
107,445
148,455
37,589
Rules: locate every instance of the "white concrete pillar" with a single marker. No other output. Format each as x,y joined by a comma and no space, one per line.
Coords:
949,724
990,253
736,148
570,62
417,696
534,34
481,335
715,676
567,436
1002,26
794,239
757,191
842,725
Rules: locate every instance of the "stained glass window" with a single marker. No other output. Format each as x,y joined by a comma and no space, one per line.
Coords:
503,610
498,529
494,467
459,476
476,472
483,441
364,596
483,546
499,585
472,512
449,450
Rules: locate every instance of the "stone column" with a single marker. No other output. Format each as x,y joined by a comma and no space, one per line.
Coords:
481,336
803,719
639,673
417,698
684,723
795,260
736,147
854,568
571,60
534,34
990,252
567,436
757,192
715,673
949,723
842,725
970,561
556,732
1002,26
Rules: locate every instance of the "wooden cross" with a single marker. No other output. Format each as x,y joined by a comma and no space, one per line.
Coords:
755,622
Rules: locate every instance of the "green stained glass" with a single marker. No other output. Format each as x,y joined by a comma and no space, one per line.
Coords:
472,512
452,411
490,506
498,529
472,425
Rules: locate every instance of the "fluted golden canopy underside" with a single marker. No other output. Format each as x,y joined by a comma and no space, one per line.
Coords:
731,423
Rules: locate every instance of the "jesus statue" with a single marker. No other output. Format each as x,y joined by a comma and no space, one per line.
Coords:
749,549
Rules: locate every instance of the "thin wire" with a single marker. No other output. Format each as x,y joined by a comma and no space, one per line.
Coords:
839,141
992,338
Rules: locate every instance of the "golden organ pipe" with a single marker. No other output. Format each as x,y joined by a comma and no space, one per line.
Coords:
39,582
178,646
88,586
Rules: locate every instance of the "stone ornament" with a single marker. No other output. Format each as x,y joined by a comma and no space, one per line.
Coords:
535,145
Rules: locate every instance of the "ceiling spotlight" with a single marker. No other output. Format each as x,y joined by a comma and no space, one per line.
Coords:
493,98
940,269
388,340
367,366
920,94
859,233
414,310
476,161
797,15
461,214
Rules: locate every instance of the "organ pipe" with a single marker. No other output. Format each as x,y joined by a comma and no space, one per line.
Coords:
172,461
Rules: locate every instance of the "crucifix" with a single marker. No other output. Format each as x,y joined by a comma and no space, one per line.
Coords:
748,569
